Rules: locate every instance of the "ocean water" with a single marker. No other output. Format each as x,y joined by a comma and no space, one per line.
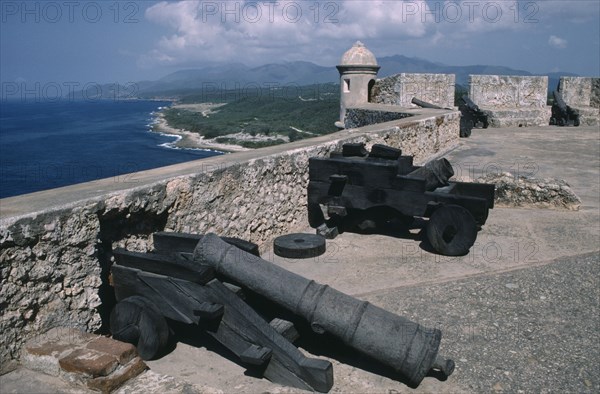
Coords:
44,145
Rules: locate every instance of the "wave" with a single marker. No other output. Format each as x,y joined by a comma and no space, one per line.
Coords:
173,144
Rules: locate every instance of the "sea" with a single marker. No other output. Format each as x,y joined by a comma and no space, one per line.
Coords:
49,144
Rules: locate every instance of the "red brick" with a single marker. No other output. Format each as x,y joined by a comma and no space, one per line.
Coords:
124,352
106,384
89,362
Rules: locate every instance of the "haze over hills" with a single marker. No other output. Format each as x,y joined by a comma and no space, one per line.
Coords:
236,75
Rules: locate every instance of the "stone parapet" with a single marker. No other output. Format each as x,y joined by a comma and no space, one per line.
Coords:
400,89
588,116
511,101
582,94
56,245
508,91
364,116
517,117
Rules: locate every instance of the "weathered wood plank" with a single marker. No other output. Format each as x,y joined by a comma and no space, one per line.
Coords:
165,265
407,202
360,171
170,242
287,364
385,152
285,328
173,302
256,355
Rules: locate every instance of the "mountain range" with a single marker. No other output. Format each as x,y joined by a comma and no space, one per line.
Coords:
234,76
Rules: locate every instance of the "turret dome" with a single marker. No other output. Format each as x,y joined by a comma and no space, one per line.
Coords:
358,55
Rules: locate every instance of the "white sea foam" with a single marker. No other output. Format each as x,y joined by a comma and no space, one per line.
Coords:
173,144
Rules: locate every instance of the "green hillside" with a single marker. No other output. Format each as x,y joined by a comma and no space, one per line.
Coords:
293,117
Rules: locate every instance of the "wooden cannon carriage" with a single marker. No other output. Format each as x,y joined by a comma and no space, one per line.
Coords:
184,280
383,184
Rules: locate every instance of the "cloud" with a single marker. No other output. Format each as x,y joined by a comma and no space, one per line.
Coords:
259,32
254,32
557,42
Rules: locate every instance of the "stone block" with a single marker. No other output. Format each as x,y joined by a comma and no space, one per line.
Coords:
41,353
42,363
511,101
107,384
123,352
358,117
517,117
400,89
89,362
508,91
580,91
588,116
583,95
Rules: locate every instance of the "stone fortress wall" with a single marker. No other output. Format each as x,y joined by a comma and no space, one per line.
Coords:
511,101
583,94
399,89
508,91
508,100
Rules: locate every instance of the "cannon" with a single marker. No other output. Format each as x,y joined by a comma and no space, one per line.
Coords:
189,279
563,114
471,116
425,104
361,189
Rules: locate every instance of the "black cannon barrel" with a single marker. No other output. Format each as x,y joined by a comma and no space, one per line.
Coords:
409,348
470,104
424,104
436,173
558,100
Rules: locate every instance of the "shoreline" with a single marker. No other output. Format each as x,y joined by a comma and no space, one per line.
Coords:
188,139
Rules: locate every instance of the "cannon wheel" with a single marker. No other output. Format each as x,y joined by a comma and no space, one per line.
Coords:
137,321
452,230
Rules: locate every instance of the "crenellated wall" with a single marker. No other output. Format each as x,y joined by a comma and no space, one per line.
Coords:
400,89
56,246
511,101
583,94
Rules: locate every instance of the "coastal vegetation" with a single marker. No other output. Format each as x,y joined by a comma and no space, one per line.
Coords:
258,118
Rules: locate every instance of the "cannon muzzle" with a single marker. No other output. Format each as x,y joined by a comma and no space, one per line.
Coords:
407,347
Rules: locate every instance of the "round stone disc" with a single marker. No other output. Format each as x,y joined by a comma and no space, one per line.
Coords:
299,246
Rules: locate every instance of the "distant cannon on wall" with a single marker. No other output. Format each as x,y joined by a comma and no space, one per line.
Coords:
563,114
471,116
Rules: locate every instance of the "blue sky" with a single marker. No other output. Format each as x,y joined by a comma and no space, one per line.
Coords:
126,41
